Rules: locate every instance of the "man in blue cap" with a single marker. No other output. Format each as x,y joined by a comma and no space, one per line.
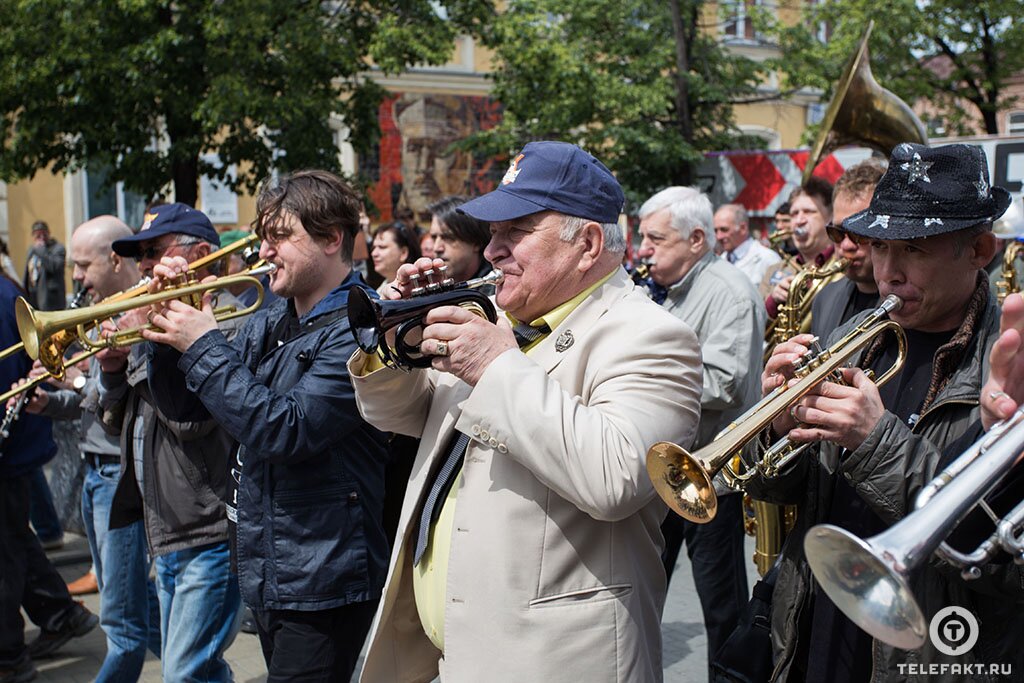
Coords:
528,547
174,475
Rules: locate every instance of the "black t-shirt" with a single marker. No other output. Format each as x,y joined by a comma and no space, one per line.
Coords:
840,651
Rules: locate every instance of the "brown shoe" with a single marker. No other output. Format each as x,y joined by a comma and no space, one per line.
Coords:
84,585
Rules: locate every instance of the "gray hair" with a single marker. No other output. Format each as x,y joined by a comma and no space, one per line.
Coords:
739,213
614,238
688,207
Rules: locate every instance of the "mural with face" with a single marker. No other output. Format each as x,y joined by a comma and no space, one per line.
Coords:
415,165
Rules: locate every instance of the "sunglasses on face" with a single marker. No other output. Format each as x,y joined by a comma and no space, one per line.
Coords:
837,234
154,252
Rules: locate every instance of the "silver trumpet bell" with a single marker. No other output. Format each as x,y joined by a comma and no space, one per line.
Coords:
868,579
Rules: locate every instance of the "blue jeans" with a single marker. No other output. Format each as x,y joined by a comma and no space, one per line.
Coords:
200,612
129,610
42,512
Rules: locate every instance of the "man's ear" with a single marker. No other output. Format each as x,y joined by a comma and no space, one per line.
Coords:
592,239
115,261
332,244
697,239
983,249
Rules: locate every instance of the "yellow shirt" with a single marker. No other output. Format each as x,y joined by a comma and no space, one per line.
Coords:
430,576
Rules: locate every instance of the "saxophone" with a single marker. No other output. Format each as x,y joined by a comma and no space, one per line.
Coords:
1007,283
769,523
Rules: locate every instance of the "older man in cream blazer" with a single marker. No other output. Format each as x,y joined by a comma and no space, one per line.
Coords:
532,552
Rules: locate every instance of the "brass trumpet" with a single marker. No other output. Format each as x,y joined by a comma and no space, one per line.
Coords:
371,319
56,346
684,481
869,580
47,334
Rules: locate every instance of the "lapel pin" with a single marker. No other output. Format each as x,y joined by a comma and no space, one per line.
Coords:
564,341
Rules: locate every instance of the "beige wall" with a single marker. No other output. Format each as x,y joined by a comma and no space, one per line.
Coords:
786,119
41,198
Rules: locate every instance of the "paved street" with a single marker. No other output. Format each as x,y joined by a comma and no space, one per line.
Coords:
79,660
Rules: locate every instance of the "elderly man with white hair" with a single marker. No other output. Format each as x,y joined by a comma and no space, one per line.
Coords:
723,308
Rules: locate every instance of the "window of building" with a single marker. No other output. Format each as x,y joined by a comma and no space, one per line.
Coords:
738,20
1015,122
102,198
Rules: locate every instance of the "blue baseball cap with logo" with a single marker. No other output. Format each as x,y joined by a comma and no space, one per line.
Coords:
551,176
168,219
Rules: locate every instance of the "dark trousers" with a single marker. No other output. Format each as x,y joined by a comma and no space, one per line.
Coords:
27,579
719,570
42,512
314,646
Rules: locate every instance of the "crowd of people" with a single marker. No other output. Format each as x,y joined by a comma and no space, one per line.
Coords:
491,517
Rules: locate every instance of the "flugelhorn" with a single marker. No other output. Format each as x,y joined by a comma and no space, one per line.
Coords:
868,580
684,480
371,319
38,329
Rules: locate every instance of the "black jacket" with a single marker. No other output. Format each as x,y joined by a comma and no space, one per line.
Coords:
185,464
310,498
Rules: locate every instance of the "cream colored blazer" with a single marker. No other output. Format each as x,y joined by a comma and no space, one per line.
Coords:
555,571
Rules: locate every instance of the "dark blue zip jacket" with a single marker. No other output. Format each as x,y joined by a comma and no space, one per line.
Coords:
30,443
311,488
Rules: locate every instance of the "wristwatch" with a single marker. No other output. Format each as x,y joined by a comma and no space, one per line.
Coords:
79,382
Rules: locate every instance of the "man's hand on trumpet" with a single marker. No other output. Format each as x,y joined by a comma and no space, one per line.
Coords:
462,342
780,369
841,413
179,324
113,359
1004,388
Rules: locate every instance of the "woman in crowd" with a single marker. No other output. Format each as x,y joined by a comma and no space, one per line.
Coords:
393,245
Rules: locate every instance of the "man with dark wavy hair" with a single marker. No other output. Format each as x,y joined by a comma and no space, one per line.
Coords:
311,549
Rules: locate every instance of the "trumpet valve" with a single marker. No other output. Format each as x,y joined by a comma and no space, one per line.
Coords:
446,282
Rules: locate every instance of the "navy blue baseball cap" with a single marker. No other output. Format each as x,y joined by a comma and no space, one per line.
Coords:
168,219
551,176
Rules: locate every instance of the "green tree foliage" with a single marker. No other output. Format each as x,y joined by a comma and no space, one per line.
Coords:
946,51
606,74
146,87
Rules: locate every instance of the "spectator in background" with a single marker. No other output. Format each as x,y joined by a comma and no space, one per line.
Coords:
393,245
732,230
459,239
44,270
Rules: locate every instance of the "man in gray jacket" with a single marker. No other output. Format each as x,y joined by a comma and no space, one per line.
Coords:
929,226
174,475
721,305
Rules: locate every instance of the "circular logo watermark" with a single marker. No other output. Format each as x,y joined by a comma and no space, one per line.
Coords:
953,631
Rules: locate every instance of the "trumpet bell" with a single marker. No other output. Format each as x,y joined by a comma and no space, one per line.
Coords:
682,482
865,583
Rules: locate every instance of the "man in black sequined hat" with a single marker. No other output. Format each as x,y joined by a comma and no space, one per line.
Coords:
929,227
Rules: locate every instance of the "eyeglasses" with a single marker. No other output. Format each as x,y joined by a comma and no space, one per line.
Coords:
155,252
837,234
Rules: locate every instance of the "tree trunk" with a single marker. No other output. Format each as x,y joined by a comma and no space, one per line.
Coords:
185,174
682,95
